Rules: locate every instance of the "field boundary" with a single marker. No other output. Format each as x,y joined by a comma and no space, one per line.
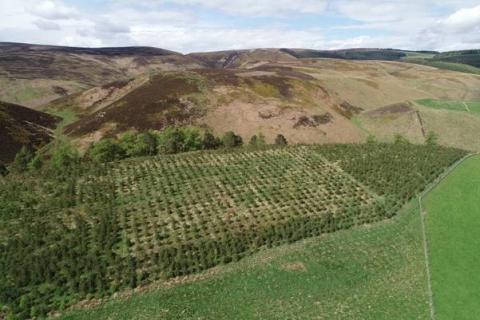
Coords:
422,214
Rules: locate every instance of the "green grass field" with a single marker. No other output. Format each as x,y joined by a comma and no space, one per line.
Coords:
452,66
453,226
452,105
371,272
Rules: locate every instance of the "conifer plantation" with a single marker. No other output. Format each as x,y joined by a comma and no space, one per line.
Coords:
90,229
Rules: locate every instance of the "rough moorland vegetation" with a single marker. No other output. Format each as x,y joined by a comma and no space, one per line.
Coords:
88,230
20,126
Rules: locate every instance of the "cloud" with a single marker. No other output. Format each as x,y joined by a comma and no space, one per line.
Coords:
467,19
206,25
206,39
457,31
52,10
110,27
46,25
260,7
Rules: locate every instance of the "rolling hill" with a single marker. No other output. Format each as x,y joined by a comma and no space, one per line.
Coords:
469,57
35,74
310,96
307,100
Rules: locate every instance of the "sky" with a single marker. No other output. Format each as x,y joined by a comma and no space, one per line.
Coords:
209,25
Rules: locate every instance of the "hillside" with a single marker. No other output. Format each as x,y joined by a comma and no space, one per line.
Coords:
35,74
23,126
462,61
244,59
468,57
307,100
349,54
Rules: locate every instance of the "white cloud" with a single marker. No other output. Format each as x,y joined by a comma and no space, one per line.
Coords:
179,25
201,39
46,25
261,7
463,20
103,26
52,10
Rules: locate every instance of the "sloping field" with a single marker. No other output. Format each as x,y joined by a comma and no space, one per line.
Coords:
453,225
452,121
94,230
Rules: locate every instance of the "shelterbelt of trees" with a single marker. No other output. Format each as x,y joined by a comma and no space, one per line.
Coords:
135,144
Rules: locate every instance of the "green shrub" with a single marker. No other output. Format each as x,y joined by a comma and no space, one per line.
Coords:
192,139
371,139
64,156
258,141
432,138
171,141
139,144
36,163
210,142
399,139
3,169
22,159
231,140
280,140
106,150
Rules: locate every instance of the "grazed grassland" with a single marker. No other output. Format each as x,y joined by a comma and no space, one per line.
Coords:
453,225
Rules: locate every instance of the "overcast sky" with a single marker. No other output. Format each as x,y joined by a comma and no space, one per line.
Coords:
207,25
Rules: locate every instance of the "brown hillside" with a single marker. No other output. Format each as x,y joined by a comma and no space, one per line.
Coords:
164,100
277,97
23,126
241,58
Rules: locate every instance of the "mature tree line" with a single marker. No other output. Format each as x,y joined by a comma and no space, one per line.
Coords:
132,144
170,141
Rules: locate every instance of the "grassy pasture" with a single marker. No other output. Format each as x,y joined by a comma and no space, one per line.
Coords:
372,272
453,225
452,105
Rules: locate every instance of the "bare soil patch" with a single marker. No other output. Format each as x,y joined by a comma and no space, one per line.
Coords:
294,266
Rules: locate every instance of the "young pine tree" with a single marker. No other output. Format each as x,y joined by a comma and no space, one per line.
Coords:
210,142
280,140
22,159
231,140
432,138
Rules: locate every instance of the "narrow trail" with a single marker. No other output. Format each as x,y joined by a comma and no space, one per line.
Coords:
466,106
427,260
